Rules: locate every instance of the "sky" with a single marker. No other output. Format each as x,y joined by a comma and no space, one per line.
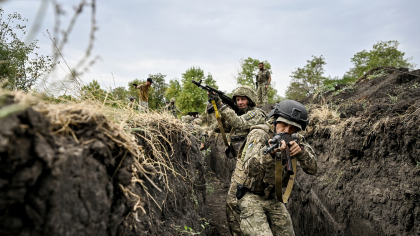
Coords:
136,38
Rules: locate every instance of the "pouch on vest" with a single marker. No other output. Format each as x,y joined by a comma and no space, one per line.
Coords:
240,191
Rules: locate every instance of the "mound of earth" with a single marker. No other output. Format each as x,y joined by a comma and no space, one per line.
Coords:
85,177
368,159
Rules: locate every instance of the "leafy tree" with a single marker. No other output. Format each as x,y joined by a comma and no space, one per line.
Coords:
191,98
93,90
173,89
120,93
16,66
157,92
384,53
308,79
247,76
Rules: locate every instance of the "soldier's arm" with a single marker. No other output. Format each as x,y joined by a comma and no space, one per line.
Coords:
307,159
244,121
269,79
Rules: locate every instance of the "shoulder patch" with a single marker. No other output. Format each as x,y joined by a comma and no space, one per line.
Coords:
252,114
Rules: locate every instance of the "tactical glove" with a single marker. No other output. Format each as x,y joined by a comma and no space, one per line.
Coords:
214,97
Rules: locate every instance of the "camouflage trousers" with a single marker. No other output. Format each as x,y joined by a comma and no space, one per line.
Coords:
233,212
262,94
265,217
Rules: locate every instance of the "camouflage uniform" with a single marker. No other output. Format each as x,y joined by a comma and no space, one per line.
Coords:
262,215
172,108
262,81
241,126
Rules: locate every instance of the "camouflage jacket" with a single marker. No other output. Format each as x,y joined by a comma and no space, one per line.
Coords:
255,170
173,109
242,124
262,76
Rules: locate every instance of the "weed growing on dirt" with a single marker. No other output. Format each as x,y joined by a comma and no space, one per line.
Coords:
194,199
210,189
189,231
377,74
394,99
349,89
418,165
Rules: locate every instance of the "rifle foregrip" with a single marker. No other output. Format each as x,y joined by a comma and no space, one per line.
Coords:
269,149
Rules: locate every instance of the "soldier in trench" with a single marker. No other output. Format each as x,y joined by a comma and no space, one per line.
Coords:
262,208
240,124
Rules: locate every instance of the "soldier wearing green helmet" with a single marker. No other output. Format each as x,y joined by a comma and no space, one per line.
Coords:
245,98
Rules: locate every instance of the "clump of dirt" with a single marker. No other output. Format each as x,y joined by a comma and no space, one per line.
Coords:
68,170
368,160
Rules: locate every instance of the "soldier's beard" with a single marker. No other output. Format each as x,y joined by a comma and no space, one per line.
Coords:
242,111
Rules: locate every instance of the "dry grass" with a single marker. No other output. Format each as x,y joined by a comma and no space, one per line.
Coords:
119,123
324,114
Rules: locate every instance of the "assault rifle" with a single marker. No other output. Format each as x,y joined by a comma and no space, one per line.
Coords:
276,143
225,99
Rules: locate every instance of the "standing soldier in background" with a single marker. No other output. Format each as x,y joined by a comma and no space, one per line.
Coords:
172,108
263,81
144,94
241,123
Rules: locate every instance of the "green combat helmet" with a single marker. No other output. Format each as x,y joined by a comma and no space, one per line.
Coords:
172,100
246,91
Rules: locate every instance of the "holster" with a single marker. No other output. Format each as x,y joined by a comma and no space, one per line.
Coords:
240,191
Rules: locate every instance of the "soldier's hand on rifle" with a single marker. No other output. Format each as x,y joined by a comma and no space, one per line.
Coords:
214,97
294,148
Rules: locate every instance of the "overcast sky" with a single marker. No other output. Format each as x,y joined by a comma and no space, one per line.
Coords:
137,38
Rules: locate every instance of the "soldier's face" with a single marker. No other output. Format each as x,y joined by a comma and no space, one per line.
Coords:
282,127
261,66
242,102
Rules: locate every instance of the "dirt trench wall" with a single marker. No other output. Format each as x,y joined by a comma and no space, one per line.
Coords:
368,173
216,159
71,184
169,211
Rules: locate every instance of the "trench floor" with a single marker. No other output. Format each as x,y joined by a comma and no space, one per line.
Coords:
216,205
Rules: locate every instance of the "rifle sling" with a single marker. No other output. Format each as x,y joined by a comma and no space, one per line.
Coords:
219,121
289,187
279,175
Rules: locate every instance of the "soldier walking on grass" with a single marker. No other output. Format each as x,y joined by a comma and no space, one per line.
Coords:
258,176
241,124
263,81
144,94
